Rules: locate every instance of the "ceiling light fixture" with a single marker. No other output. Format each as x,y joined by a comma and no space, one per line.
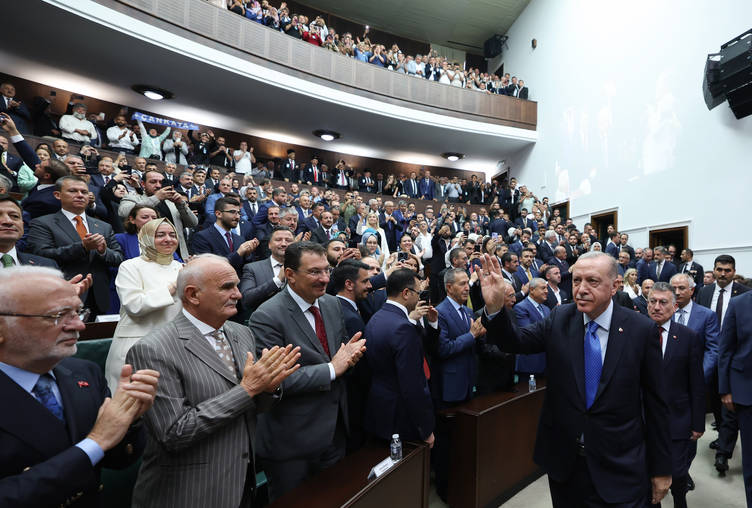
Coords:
453,156
152,92
327,135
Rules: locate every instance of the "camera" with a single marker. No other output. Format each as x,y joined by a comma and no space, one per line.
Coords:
425,296
477,247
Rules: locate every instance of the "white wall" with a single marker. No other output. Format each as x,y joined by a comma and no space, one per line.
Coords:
622,122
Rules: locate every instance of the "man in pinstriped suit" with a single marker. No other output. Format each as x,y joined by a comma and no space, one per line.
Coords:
202,425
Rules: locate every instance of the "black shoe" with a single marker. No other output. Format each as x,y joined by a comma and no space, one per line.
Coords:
721,464
690,483
713,445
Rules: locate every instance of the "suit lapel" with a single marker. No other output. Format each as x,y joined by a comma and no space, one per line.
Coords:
305,326
331,316
221,243
576,335
671,344
199,346
29,420
67,228
68,392
613,349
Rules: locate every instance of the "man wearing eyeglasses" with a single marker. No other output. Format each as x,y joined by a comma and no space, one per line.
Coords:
63,426
306,431
222,238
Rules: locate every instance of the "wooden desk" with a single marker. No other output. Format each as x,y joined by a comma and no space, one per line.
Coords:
346,483
492,441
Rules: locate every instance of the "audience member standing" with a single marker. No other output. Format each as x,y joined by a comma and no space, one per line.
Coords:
75,127
263,279
146,287
615,395
169,203
62,427
77,243
203,422
307,431
681,349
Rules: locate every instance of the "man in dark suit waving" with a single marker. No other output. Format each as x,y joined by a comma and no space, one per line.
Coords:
307,431
604,434
63,427
685,387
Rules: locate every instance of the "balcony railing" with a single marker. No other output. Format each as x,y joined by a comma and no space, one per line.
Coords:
230,29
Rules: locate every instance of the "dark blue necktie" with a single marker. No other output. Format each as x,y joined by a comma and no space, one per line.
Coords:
43,392
593,364
465,313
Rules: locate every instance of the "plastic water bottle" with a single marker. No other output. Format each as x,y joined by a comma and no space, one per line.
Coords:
395,448
531,384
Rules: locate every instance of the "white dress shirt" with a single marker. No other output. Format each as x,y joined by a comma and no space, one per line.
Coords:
604,325
726,300
129,141
275,270
12,253
203,328
304,308
71,218
69,123
664,336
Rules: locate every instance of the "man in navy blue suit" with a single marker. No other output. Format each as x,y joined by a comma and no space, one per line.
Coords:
399,400
389,223
16,109
661,269
685,388
63,427
425,186
455,370
604,432
556,296
734,383
525,272
279,199
531,310
350,281
612,245
221,239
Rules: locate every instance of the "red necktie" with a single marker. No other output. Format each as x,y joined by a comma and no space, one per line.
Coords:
315,174
320,329
228,235
426,370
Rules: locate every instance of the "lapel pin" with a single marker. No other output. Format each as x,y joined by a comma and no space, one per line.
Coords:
675,337
83,384
621,330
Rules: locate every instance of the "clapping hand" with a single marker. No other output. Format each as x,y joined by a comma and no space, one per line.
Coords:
268,372
348,354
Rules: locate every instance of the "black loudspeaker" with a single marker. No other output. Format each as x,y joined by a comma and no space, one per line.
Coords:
492,47
728,76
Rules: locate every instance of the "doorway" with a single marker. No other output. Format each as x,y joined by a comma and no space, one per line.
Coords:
670,236
600,223
563,208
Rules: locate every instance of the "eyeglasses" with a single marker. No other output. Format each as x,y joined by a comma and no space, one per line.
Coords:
316,273
66,315
232,212
413,290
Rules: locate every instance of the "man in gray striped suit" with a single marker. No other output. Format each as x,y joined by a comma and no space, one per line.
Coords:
306,432
202,424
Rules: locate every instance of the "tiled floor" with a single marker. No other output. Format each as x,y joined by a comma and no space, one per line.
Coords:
711,491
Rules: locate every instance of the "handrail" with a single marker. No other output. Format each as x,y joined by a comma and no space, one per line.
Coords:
232,30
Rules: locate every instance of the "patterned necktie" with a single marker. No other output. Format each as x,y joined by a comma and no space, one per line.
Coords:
222,347
43,392
658,269
593,363
7,261
228,235
320,329
540,310
681,320
80,228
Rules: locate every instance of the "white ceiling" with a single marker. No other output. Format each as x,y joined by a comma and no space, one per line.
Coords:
99,62
463,24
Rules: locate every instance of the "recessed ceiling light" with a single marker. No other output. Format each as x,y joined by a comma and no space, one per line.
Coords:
327,135
453,156
152,92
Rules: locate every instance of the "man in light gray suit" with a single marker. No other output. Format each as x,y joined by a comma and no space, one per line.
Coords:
167,201
201,427
306,431
263,279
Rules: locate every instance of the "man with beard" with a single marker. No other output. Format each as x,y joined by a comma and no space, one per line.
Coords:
121,138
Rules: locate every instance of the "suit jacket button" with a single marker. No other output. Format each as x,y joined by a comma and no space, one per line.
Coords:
101,487
26,469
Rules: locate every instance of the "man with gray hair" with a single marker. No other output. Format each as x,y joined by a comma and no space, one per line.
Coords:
682,364
203,421
75,127
64,425
531,310
604,431
548,245
661,269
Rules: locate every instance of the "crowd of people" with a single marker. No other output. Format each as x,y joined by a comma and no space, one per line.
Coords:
429,66
309,321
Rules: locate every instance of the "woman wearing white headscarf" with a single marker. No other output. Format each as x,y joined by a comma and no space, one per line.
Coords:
146,286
